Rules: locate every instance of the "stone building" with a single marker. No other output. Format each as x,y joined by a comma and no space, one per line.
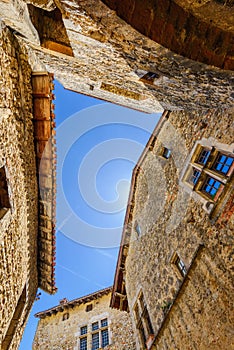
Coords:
83,324
148,55
174,270
26,209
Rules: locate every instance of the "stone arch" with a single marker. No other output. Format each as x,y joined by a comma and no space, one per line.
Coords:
201,30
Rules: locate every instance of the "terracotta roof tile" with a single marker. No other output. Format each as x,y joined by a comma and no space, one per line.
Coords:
44,135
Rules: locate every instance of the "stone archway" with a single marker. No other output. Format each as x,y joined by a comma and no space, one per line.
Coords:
202,30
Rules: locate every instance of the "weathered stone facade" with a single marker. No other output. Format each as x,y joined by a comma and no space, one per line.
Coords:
19,224
184,64
191,309
18,227
93,51
60,327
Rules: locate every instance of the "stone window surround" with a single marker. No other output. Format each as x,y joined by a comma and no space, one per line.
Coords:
173,261
136,301
210,143
95,318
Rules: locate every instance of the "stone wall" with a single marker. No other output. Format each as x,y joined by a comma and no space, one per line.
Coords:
201,317
53,333
18,227
108,51
171,220
200,30
110,57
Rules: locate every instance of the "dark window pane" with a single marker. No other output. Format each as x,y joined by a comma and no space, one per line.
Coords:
95,341
95,326
203,156
105,338
211,186
83,330
89,307
166,153
195,176
83,343
104,323
211,181
223,163
4,197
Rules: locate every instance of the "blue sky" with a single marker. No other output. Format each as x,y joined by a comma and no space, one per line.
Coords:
98,145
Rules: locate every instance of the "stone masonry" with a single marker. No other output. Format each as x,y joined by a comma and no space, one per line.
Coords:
56,331
93,51
26,257
18,227
195,311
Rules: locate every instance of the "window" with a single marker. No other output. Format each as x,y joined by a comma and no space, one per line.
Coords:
203,156
104,323
149,77
83,343
95,341
4,196
137,229
166,153
211,186
208,172
96,334
89,308
105,337
95,326
195,176
180,265
223,163
83,330
83,338
143,322
65,316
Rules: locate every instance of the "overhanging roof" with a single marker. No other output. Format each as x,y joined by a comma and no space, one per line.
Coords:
44,136
75,302
119,296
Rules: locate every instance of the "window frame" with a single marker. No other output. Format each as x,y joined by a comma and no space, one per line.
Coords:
95,330
81,339
97,335
207,170
216,160
166,153
142,320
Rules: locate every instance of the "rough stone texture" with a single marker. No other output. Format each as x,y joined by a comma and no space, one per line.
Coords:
199,30
18,227
110,57
201,318
172,221
53,333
